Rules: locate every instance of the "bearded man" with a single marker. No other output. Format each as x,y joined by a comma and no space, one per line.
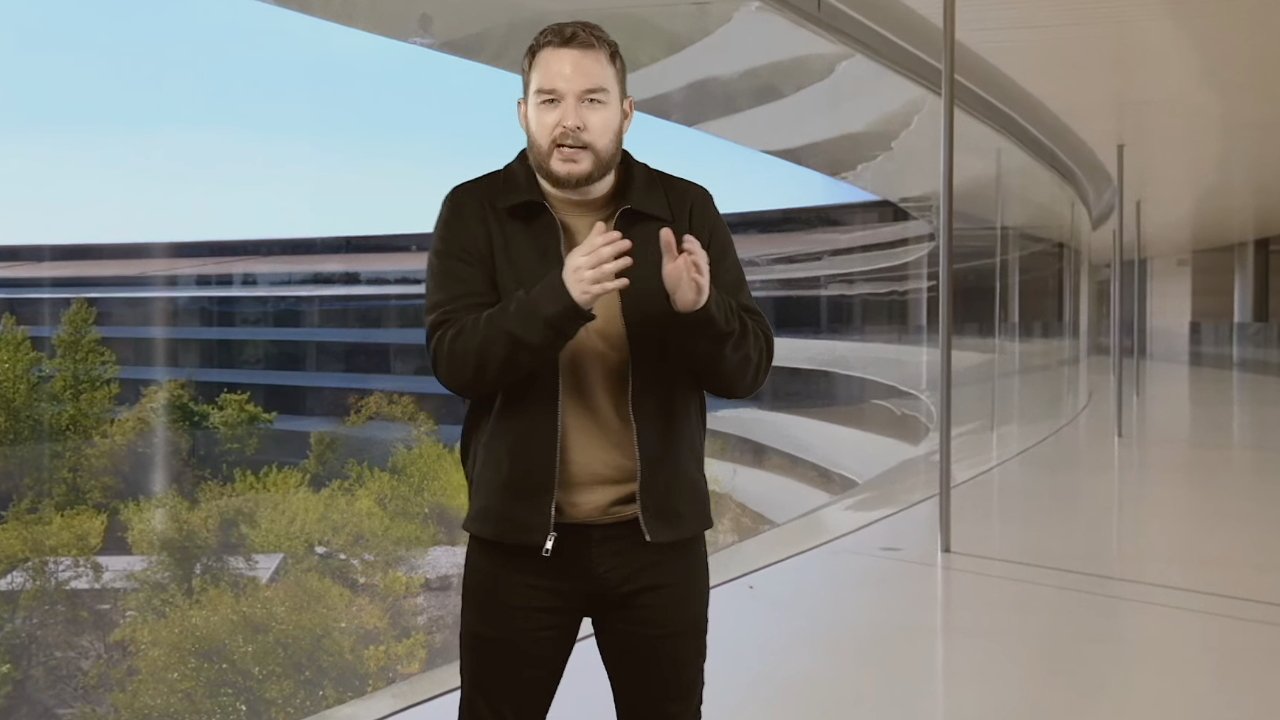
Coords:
584,304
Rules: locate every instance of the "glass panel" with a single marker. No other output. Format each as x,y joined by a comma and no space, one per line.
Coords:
230,477
1025,282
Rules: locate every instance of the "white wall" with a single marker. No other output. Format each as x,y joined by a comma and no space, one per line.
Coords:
1170,307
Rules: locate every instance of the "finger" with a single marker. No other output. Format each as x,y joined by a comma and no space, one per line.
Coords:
667,241
616,266
695,248
606,272
608,286
687,266
596,241
701,268
608,252
593,238
593,253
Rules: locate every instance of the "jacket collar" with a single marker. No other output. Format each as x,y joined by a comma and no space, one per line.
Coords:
640,187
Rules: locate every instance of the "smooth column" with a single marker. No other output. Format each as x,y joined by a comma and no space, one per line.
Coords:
1252,281
1117,299
1138,305
946,223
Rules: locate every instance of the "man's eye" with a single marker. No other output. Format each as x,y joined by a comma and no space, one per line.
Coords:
548,101
595,100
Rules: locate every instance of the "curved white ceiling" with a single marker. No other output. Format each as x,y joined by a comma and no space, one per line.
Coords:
1186,85
721,53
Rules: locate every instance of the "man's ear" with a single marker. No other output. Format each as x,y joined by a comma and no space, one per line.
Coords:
628,112
522,114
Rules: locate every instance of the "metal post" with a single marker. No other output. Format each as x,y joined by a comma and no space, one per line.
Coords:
1014,292
1115,326
1066,335
945,226
995,343
1084,304
1137,298
823,315
1069,308
1117,298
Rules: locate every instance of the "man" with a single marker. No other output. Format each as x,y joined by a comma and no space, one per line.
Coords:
584,335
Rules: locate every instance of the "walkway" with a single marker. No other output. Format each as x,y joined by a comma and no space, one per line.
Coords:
1092,579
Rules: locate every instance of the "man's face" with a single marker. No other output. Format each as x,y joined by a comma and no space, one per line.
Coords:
574,117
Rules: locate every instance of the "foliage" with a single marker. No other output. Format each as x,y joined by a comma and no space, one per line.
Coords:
49,631
237,421
21,392
51,409
31,537
346,545
193,635
175,441
423,481
265,652
392,407
83,374
191,547
21,400
63,445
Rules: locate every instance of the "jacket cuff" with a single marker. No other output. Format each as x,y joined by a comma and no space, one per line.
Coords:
712,320
556,306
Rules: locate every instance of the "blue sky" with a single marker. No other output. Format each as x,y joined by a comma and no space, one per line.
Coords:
172,120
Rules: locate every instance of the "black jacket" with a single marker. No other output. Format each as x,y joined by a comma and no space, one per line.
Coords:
498,314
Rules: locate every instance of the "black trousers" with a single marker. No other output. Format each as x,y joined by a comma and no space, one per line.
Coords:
521,613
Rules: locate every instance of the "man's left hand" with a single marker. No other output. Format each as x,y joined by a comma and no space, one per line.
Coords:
686,272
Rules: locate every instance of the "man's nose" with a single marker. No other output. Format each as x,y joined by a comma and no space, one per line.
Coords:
571,119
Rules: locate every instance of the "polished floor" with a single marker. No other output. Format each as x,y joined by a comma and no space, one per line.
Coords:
1093,578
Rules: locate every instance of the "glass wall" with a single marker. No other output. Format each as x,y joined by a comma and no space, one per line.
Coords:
232,490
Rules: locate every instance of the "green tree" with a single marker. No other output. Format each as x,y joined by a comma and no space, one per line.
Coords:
238,423
83,376
423,481
267,652
50,626
22,406
170,440
76,402
21,398
393,408
339,622
341,619
192,545
343,614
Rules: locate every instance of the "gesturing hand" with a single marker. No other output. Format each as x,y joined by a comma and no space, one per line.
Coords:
685,273
590,269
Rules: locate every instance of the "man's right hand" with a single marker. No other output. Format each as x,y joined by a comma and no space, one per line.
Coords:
590,269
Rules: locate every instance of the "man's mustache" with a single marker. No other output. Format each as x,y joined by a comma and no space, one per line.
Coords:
573,140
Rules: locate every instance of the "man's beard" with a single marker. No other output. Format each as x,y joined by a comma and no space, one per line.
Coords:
603,162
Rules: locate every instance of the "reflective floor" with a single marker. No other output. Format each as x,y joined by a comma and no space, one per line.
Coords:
1092,579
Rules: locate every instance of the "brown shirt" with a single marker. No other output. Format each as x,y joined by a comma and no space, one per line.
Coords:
598,466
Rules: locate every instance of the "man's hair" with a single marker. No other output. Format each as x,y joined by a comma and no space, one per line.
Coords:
577,35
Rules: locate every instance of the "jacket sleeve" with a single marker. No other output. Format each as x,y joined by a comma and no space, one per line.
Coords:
479,342
729,341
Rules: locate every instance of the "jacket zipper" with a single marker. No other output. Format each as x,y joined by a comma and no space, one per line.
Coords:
635,438
555,487
631,415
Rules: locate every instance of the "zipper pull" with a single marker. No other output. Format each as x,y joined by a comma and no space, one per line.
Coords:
546,547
